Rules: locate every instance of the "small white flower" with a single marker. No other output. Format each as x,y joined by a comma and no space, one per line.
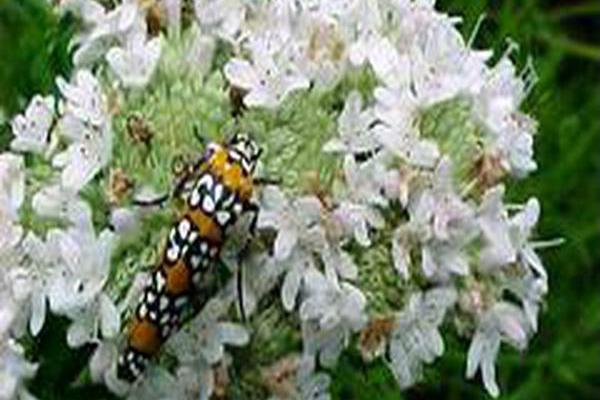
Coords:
58,202
509,132
103,366
223,17
31,130
506,238
391,67
31,277
159,384
322,48
443,224
442,67
75,289
363,191
331,312
400,252
83,100
105,29
502,322
12,193
270,74
522,225
298,233
267,83
353,126
85,122
416,339
135,62
89,11
14,370
492,219
397,109
293,220
11,308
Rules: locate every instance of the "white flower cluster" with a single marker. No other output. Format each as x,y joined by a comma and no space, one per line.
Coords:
120,36
453,242
68,267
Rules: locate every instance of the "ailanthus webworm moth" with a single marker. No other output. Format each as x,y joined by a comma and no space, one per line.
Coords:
217,192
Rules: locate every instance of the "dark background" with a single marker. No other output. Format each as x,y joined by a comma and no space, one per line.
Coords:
563,37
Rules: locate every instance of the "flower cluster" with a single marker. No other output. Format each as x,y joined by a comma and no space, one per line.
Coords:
400,138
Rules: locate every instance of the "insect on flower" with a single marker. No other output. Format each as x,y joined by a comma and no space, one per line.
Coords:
217,191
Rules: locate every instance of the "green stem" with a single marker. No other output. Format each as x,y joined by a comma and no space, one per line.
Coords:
576,10
572,47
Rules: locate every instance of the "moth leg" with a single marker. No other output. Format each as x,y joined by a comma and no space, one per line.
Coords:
265,180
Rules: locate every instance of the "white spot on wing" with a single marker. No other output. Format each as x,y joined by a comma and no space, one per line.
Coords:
223,217
160,281
184,228
208,205
164,303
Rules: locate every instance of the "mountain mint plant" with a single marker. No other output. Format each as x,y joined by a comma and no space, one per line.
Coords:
388,143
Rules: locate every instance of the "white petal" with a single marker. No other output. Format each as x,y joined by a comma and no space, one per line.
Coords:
401,257
241,74
38,312
284,243
79,333
110,320
233,334
290,287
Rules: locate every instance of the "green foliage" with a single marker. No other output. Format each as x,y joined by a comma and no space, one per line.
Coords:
33,50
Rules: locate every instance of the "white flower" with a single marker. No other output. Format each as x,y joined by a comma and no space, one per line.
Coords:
267,84
205,338
502,322
322,48
105,29
356,209
31,278
401,252
31,130
270,74
416,338
86,124
315,387
354,124
103,366
58,202
84,269
75,289
12,193
331,312
509,132
522,225
296,223
505,237
391,67
443,224
223,17
492,219
135,62
12,318
89,11
293,220
14,370
83,100
442,67
159,384
397,109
